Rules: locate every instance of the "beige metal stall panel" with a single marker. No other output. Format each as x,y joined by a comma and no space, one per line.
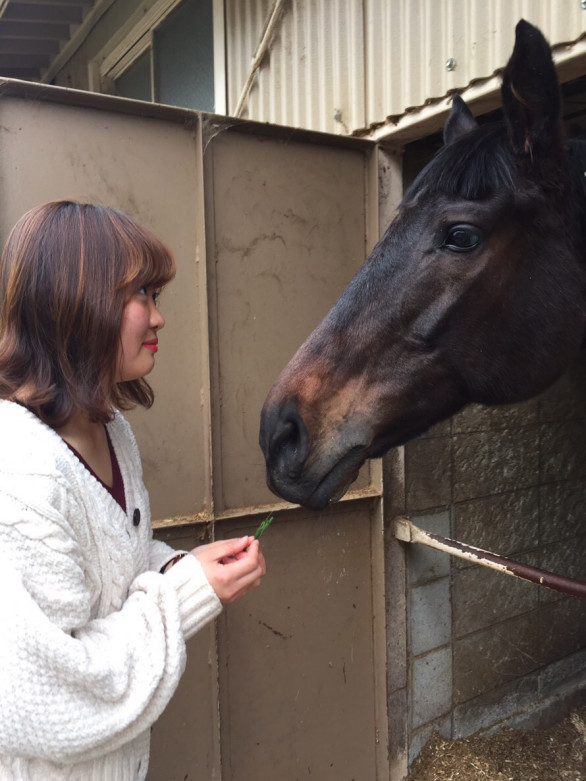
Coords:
299,678
286,229
267,226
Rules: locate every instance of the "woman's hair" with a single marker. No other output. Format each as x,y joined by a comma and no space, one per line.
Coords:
66,273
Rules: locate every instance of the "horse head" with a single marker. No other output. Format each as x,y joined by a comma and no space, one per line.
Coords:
474,294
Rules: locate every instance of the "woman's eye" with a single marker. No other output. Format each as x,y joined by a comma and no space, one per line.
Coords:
462,238
147,290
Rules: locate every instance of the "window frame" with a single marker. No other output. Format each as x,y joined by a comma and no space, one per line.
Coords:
136,37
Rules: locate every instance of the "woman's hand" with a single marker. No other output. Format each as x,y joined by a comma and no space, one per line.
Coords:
233,567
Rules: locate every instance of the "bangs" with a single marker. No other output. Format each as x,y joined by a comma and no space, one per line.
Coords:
144,258
149,267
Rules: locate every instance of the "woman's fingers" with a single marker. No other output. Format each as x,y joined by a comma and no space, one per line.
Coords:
223,548
233,567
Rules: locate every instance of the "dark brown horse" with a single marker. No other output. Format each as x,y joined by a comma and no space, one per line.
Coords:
476,293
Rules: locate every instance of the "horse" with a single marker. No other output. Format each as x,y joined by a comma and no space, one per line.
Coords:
475,293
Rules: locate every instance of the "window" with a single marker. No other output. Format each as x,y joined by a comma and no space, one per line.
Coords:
173,53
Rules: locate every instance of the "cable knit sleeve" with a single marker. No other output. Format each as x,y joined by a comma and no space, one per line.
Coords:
159,554
196,596
73,685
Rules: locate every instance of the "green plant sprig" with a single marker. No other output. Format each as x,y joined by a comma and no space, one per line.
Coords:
263,526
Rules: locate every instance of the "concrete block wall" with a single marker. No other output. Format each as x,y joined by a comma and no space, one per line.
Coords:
485,650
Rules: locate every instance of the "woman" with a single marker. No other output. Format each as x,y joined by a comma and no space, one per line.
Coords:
94,613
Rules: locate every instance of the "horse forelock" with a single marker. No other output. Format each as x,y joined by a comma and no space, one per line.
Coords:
474,167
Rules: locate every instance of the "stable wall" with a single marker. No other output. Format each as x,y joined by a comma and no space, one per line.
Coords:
484,650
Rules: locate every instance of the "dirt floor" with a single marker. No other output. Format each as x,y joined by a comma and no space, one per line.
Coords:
557,754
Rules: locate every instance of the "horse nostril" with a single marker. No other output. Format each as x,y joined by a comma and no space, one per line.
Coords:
288,444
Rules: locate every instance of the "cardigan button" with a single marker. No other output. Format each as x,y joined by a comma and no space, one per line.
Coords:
136,517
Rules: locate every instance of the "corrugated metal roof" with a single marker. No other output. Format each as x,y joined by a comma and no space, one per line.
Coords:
370,67
420,51
313,72
33,33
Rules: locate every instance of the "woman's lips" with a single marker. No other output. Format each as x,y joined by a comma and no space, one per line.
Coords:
152,345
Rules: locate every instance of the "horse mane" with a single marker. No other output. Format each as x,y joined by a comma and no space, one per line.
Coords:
474,167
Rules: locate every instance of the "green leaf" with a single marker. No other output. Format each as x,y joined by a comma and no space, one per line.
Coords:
264,525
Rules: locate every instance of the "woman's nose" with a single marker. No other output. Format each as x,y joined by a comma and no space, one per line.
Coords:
157,320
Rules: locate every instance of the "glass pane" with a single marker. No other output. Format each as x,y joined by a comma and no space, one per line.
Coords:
184,57
135,82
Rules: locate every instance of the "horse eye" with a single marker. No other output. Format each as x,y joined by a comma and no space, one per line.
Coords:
462,238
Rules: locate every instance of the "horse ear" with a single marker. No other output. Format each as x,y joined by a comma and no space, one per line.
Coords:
531,94
460,120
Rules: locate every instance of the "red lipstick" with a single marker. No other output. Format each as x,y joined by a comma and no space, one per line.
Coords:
152,345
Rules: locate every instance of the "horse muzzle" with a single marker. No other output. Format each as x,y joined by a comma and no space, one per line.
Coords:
312,477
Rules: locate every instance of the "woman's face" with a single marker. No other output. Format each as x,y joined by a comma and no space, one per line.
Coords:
141,320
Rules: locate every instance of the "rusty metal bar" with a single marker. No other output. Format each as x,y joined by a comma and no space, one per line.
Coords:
407,531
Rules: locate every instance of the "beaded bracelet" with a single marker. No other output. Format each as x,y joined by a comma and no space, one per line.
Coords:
172,561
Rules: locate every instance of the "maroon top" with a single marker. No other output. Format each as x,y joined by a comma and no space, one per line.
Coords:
117,488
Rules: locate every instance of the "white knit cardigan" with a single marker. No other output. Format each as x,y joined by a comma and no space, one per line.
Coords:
92,637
